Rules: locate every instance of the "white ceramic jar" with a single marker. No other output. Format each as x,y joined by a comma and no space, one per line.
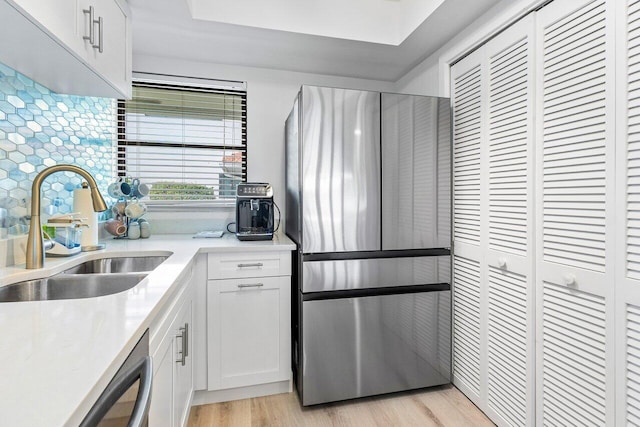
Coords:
145,230
134,230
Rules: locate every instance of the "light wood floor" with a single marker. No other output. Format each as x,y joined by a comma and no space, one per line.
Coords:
438,406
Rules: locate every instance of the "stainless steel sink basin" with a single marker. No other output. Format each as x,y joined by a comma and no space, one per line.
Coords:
117,265
66,286
94,278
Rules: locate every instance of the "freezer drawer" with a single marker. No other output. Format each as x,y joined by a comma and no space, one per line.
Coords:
319,276
357,347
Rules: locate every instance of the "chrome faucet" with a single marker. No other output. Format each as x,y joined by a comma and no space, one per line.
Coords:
35,242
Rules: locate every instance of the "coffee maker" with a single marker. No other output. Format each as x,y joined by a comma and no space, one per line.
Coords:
254,211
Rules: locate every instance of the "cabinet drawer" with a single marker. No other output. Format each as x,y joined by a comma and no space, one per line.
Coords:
243,265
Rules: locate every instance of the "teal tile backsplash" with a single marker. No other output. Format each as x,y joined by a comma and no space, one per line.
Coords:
39,128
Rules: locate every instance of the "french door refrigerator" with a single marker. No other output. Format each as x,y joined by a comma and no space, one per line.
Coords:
368,204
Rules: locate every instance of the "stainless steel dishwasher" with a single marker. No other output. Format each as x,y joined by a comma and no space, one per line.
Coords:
126,399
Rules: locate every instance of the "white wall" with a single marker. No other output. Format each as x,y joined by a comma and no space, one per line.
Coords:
431,76
270,95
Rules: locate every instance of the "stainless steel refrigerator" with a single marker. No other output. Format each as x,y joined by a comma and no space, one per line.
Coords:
369,206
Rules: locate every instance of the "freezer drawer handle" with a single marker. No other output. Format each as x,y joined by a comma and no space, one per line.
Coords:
250,285
255,264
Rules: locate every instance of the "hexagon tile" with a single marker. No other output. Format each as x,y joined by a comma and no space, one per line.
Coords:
39,128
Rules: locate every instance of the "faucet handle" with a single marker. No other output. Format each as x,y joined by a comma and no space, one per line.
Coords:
48,244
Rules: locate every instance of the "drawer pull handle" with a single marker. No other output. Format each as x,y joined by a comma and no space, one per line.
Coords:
255,264
251,285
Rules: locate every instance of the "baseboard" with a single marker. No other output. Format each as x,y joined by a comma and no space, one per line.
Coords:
206,397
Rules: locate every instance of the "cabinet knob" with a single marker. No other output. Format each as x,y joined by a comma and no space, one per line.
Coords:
502,262
569,279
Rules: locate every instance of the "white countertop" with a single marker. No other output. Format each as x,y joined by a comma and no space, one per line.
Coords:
56,356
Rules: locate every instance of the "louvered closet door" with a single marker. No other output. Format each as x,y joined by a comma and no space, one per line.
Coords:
627,288
509,245
467,96
574,215
493,200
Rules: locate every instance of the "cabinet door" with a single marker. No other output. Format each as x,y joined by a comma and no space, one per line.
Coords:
173,380
248,331
416,179
574,213
183,384
161,409
113,62
58,17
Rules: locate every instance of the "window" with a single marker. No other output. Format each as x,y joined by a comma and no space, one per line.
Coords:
188,143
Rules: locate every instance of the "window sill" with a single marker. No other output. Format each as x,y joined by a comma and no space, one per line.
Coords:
169,206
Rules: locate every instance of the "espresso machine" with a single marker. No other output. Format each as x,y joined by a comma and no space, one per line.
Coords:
254,211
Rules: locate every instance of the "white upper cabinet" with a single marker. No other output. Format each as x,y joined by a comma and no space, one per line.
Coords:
57,17
108,53
77,47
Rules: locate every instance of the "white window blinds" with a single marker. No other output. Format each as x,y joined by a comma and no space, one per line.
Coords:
188,143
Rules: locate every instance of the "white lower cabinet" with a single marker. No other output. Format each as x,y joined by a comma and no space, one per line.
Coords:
248,322
172,352
160,412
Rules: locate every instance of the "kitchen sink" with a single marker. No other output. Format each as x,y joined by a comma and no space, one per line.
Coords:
67,286
95,278
117,265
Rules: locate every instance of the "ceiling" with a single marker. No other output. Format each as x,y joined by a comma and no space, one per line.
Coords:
374,21
303,39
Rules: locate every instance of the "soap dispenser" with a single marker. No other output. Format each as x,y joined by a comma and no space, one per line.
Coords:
83,204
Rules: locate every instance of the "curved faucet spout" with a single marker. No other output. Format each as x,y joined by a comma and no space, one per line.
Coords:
35,242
